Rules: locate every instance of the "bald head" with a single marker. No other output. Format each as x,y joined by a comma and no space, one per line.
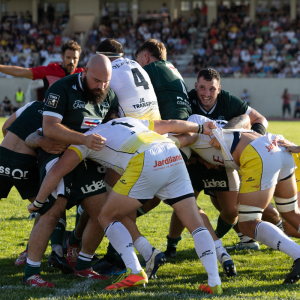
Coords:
96,77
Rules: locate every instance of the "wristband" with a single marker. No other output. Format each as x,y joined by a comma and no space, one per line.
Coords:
37,203
200,128
259,128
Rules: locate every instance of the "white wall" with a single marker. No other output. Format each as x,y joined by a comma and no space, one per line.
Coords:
265,94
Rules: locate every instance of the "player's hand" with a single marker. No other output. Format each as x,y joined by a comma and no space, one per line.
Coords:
95,141
31,208
215,143
208,126
52,146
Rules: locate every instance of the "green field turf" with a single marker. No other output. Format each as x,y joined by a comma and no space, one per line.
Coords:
260,273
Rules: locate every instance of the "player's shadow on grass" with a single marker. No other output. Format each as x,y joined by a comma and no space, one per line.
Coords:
14,219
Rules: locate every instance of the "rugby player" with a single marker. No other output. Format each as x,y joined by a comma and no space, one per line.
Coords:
70,53
210,100
73,104
150,165
267,171
137,99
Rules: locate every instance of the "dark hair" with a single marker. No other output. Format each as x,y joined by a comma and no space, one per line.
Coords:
208,74
110,45
70,45
156,49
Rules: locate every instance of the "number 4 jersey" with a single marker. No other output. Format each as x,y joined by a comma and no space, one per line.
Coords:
134,90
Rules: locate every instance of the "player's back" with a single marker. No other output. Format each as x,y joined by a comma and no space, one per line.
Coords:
134,90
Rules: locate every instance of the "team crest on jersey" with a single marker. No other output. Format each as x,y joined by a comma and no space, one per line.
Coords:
105,104
52,100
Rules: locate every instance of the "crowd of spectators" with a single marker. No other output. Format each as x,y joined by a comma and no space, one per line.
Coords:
236,46
20,38
233,44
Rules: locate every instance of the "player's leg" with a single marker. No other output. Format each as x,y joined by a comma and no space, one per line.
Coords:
39,239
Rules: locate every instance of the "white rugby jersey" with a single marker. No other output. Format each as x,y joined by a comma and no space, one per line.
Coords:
202,146
125,138
134,89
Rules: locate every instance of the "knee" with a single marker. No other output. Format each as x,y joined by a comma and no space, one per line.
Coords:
249,216
248,227
230,212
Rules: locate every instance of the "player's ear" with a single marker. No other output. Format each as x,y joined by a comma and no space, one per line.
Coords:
219,89
196,85
85,70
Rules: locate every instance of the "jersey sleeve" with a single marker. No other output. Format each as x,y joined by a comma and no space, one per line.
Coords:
237,106
39,72
198,119
113,100
81,150
56,101
20,110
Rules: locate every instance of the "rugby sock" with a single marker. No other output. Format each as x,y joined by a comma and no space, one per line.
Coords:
140,212
272,236
79,212
222,228
121,240
220,250
57,237
84,261
205,249
172,243
32,268
245,239
143,246
280,225
74,239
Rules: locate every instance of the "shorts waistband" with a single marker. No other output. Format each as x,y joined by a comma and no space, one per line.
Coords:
236,139
25,158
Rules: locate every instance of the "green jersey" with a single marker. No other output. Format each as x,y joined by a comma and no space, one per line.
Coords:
227,106
65,99
29,119
170,90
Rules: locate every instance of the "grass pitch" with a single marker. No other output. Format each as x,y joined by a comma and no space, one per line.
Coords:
260,273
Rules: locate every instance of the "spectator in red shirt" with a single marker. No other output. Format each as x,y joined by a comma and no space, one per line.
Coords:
70,55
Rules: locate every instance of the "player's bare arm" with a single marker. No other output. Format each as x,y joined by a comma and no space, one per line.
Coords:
53,129
242,121
16,71
179,126
256,117
64,165
35,140
8,122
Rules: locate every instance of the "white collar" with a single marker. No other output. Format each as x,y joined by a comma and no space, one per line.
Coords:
212,109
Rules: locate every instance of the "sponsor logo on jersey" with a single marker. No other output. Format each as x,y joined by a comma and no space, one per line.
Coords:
217,159
271,146
123,181
174,70
95,186
214,183
40,111
125,62
52,100
144,104
90,122
250,179
16,173
79,104
167,161
74,87
184,102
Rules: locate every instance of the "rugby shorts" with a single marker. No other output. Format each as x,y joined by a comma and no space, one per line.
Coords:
297,172
211,180
19,170
84,181
263,164
159,171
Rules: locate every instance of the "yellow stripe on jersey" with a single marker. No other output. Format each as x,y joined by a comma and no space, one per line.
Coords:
151,125
251,170
131,175
77,151
297,171
142,140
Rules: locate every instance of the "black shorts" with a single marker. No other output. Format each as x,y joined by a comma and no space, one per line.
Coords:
84,181
286,107
211,180
19,170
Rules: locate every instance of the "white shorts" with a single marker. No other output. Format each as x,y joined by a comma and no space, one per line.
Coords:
263,164
159,171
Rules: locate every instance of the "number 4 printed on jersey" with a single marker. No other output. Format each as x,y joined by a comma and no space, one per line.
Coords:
139,79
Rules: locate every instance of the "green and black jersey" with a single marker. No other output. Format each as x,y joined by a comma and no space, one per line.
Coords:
27,121
170,90
227,106
65,99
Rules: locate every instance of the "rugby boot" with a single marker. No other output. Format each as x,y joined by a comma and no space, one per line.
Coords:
38,281
294,275
156,260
